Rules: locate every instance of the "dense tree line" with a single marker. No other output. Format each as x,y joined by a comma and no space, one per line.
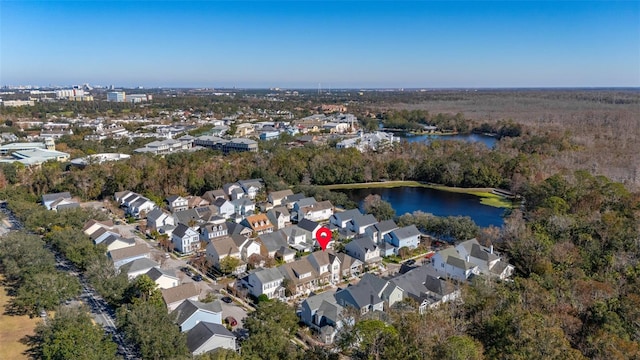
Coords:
515,162
70,335
31,275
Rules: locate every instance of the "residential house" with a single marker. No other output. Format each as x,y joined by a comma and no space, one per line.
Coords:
276,197
342,219
185,240
302,276
270,243
158,219
279,217
189,217
92,226
175,296
363,249
165,279
246,246
286,254
128,254
243,206
310,226
115,242
233,190
362,298
140,207
259,223
190,313
212,195
251,187
265,281
206,336
318,211
488,262
177,203
408,236
209,213
350,267
135,204
379,230
239,229
212,231
360,223
298,238
196,202
325,262
58,201
225,207
138,267
389,292
290,200
101,235
220,248
323,314
424,285
450,264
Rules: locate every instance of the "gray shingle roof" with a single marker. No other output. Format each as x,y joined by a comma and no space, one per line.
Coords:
138,265
55,196
201,333
406,232
156,273
189,307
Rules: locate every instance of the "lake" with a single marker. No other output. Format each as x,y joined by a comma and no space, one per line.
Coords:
437,202
488,141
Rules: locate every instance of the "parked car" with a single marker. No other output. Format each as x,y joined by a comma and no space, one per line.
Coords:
197,277
227,299
410,262
231,321
187,271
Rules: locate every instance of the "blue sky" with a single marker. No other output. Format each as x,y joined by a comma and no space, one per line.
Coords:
354,44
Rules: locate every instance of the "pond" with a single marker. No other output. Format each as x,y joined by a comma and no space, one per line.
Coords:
437,202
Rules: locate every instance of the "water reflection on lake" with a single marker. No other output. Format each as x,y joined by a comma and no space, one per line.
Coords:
437,202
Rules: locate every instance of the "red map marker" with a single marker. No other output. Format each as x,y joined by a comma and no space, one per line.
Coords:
323,235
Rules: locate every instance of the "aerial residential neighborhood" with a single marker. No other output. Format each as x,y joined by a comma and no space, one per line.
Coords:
274,256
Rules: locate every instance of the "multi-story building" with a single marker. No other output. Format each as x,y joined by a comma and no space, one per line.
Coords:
116,96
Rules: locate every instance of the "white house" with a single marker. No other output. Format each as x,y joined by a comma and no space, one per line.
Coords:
265,281
177,203
319,211
158,218
225,207
342,219
360,223
449,263
276,197
185,239
363,249
220,248
487,261
165,279
279,217
206,336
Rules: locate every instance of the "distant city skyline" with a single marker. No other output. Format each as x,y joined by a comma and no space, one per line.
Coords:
353,44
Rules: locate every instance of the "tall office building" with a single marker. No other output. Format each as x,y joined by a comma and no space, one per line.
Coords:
116,96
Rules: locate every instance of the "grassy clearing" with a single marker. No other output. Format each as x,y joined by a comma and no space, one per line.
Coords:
487,197
12,329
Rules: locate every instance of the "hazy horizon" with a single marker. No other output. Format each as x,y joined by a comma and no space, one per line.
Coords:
311,44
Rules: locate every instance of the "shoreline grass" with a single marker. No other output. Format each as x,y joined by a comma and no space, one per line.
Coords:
486,195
